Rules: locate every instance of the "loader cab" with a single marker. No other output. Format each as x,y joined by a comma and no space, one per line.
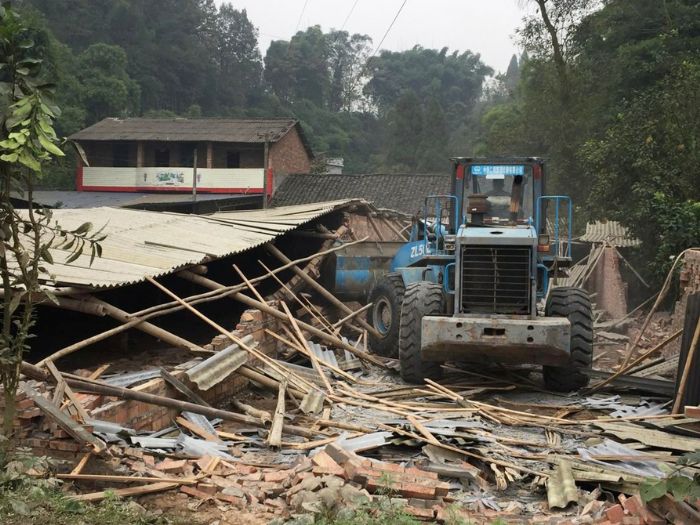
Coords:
496,193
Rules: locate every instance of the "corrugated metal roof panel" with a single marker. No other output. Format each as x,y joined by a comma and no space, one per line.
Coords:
144,243
611,232
218,367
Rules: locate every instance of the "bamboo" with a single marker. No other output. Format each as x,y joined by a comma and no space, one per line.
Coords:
255,353
641,358
662,294
351,315
249,301
125,479
320,289
294,296
303,350
311,355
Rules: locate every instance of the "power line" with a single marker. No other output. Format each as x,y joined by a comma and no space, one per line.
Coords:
349,14
390,26
303,9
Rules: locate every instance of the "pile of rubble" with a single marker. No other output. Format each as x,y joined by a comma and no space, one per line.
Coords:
328,425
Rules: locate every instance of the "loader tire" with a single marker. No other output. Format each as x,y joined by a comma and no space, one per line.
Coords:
384,314
420,299
575,305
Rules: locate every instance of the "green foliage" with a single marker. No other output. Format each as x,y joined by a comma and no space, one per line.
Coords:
27,237
30,496
620,130
677,484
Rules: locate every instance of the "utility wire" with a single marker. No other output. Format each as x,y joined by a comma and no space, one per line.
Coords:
389,28
349,14
303,9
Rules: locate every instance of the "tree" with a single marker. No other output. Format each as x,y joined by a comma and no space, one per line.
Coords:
433,147
347,56
106,90
27,237
238,60
405,133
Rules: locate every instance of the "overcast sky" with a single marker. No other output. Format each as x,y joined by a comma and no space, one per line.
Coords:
482,26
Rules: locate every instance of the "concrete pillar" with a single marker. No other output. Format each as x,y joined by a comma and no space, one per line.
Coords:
139,154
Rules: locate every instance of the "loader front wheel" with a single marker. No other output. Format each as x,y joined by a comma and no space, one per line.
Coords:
575,305
386,298
420,299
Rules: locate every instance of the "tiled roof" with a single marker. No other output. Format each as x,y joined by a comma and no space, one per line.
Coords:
188,129
402,192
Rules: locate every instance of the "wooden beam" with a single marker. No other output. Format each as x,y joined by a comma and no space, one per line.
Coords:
274,439
182,387
62,420
689,364
82,414
196,429
131,491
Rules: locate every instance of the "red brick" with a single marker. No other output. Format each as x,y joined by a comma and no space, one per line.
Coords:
171,465
195,493
239,502
277,476
615,514
208,488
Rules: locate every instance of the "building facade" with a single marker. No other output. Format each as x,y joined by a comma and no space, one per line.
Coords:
158,155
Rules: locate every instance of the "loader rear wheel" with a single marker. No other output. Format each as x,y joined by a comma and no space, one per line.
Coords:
386,298
575,305
420,299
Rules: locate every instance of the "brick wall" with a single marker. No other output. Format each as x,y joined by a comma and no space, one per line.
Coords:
689,282
610,289
288,155
44,437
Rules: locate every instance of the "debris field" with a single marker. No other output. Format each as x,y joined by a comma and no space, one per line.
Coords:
290,414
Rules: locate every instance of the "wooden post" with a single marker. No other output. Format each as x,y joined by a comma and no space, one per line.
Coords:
210,155
194,179
689,363
266,166
139,154
320,289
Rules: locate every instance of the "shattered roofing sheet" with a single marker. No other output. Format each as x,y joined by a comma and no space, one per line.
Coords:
145,243
611,232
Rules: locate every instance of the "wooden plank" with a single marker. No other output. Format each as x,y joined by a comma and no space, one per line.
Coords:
125,493
651,438
81,464
274,439
125,479
196,429
82,414
62,420
101,370
182,387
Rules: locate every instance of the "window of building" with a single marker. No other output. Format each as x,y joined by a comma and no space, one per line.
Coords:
233,159
187,155
162,157
120,154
